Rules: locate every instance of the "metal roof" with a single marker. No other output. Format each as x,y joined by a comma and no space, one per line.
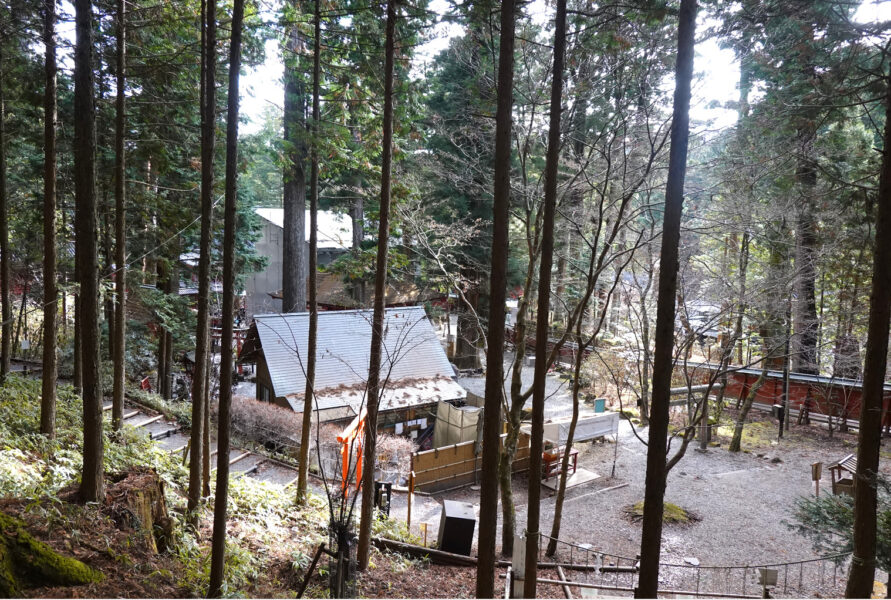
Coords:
822,380
334,230
342,402
412,350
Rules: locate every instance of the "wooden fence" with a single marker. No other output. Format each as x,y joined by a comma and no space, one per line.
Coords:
457,465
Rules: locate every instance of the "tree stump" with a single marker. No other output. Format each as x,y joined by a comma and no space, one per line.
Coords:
137,499
26,561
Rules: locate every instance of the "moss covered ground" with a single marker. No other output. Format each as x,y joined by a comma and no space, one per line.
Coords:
270,538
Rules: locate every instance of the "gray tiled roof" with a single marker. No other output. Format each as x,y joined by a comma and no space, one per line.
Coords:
411,348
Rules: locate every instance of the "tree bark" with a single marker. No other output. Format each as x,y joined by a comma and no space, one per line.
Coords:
171,288
542,324
78,377
120,242
564,464
313,249
92,485
654,494
218,544
494,394
294,196
202,334
863,561
50,291
5,307
373,390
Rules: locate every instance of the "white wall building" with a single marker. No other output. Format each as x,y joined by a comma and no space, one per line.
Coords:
335,237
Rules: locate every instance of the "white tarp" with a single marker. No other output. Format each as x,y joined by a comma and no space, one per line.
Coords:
455,425
588,428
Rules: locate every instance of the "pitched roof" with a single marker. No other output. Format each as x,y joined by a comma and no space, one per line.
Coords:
412,350
347,401
335,230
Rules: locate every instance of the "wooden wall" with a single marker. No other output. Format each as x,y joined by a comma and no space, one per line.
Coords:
457,465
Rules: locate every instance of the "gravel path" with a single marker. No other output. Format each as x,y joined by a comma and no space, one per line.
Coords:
740,501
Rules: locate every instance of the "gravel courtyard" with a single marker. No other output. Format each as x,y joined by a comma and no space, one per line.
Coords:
739,500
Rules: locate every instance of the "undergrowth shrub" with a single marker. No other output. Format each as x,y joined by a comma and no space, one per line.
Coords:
32,465
276,428
175,410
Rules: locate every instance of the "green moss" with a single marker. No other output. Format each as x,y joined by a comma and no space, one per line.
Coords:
24,560
672,513
759,433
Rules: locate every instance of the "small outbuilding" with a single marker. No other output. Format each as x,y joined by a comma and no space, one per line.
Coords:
415,373
843,472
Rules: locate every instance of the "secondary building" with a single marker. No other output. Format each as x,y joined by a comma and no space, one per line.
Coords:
415,373
262,289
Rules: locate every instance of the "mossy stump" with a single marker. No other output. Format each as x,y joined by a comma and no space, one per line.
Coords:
25,561
137,497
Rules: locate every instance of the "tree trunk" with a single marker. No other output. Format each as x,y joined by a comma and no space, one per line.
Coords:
313,249
227,354
294,197
863,561
806,251
205,431
5,307
171,289
728,345
373,390
120,232
202,334
466,348
92,483
50,291
654,494
20,326
28,561
106,269
78,375
494,395
735,443
564,464
505,479
542,324
515,410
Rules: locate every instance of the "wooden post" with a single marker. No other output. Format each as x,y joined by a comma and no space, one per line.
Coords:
411,494
817,474
518,565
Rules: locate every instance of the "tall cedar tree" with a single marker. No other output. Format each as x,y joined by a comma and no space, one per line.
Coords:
218,545
120,241
92,484
313,250
494,395
50,292
542,325
654,494
5,308
380,285
863,562
294,191
202,339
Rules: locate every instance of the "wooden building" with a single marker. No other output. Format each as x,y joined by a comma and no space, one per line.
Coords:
415,373
835,397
